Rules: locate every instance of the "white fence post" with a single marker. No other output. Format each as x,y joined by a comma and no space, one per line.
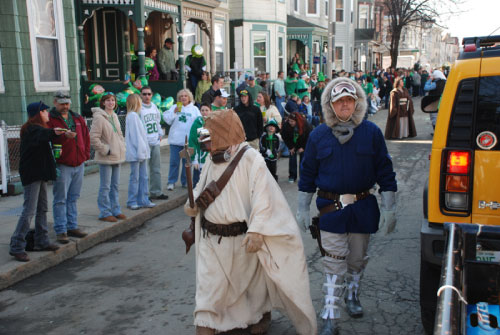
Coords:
3,165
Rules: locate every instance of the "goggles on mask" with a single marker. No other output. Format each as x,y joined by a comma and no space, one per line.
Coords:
343,89
204,139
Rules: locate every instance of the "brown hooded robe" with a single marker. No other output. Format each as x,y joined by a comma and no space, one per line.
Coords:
399,107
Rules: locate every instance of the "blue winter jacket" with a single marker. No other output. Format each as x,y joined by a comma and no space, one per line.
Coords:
348,168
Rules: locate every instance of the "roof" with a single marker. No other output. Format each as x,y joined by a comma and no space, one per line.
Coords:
294,22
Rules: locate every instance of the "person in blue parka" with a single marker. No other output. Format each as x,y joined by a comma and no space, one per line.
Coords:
344,158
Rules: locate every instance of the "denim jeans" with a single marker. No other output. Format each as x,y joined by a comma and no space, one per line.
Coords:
138,191
175,160
66,192
196,177
280,107
107,200
155,171
292,165
35,202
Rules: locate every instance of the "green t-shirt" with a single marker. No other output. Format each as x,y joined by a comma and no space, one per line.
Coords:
368,87
198,155
290,85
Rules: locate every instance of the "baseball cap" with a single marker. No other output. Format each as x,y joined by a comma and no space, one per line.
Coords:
343,89
243,92
168,40
251,78
36,107
62,97
224,93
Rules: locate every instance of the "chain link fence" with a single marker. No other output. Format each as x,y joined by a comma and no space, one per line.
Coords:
12,149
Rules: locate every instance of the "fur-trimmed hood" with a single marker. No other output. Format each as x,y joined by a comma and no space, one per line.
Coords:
359,113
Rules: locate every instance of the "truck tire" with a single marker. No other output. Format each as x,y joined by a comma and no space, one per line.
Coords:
429,282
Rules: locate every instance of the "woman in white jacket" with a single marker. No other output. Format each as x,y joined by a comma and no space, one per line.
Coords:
137,155
180,121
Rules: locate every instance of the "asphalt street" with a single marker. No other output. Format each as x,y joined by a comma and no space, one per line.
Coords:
143,283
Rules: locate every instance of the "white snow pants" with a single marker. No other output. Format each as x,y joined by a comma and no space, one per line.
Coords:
352,246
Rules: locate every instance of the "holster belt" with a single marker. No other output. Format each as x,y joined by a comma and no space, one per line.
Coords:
337,205
223,230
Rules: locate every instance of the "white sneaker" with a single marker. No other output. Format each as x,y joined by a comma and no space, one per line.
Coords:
170,187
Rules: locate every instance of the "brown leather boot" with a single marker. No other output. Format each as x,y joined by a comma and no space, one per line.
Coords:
262,326
204,331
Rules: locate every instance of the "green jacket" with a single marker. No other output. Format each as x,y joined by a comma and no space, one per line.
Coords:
302,87
290,85
198,156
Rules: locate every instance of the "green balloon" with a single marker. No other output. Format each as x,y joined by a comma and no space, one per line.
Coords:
166,103
156,99
121,98
149,64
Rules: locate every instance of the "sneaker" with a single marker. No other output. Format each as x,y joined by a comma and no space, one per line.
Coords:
20,257
62,238
120,216
108,219
134,207
291,181
76,233
170,187
159,197
150,205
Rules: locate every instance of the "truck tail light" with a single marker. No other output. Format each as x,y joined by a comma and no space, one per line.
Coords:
456,180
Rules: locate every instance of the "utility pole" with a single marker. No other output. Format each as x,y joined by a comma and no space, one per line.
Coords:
331,39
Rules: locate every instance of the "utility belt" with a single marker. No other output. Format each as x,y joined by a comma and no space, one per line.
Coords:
223,230
337,205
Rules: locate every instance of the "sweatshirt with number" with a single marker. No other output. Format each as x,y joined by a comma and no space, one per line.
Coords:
150,116
180,122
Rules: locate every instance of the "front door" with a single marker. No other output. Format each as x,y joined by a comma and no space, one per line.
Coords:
107,36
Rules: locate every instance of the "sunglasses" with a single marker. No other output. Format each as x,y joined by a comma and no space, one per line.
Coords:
63,97
146,93
108,93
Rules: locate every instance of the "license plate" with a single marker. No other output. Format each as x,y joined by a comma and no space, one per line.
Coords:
488,256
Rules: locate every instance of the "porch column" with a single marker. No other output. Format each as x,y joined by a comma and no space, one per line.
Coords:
140,51
81,45
212,47
310,46
182,74
128,62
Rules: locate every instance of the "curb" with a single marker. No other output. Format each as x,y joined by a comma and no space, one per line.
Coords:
21,271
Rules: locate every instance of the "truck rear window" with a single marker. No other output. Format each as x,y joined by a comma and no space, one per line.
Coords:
488,110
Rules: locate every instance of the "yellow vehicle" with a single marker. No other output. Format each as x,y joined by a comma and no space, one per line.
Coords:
464,174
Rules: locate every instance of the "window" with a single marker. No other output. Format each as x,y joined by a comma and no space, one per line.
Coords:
339,8
327,7
219,47
339,58
2,85
312,7
363,17
488,107
190,36
48,45
281,54
296,5
260,44
352,11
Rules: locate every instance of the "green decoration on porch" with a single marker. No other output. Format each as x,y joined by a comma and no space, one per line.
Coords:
166,104
321,77
121,98
138,84
149,64
133,56
156,99
96,91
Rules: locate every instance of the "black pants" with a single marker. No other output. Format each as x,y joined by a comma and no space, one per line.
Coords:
272,166
292,165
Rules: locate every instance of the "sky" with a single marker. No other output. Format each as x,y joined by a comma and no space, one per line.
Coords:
477,18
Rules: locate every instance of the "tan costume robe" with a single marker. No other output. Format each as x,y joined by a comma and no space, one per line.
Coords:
235,288
400,109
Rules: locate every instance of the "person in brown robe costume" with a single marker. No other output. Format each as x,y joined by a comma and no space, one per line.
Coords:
400,122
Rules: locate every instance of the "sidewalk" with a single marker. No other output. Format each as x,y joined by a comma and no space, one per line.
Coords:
12,271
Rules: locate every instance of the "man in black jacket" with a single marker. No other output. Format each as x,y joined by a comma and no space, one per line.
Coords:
209,96
251,118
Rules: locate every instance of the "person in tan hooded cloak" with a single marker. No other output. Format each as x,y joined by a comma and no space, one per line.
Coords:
249,252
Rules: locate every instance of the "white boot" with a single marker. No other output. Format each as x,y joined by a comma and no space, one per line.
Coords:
334,289
352,303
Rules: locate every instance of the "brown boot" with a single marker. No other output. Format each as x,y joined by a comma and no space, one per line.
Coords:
262,326
204,331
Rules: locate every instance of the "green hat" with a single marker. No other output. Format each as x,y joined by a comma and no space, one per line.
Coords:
321,76
272,122
244,92
294,95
